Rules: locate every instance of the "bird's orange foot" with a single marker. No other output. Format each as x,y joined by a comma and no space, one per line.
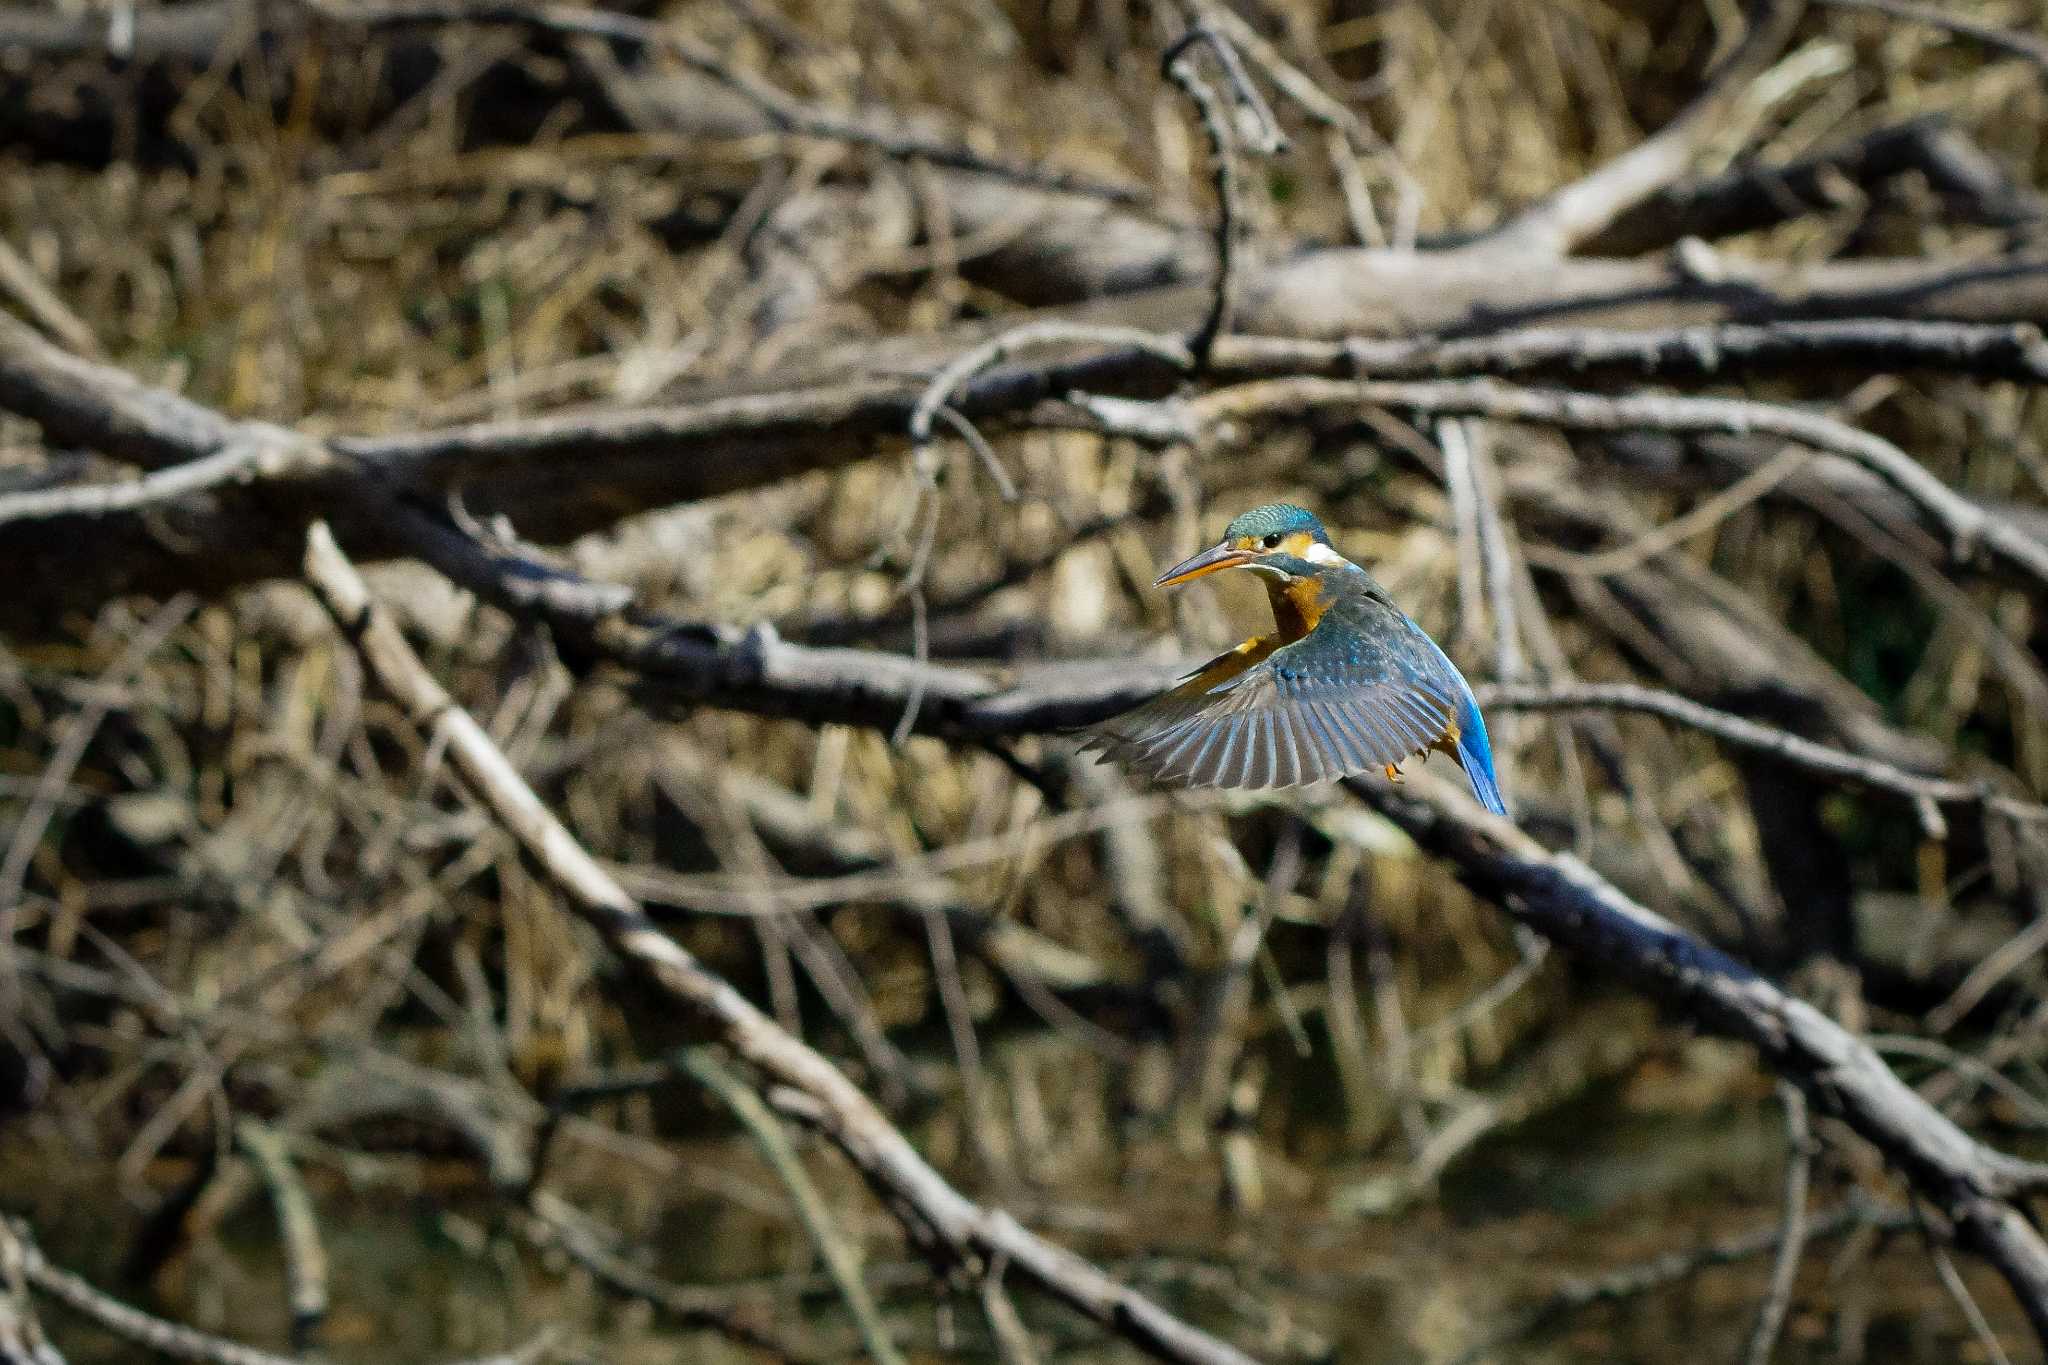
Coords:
1393,773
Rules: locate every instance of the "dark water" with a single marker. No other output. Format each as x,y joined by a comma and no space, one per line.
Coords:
1667,1158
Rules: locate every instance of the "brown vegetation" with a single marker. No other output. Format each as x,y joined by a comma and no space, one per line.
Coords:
552,553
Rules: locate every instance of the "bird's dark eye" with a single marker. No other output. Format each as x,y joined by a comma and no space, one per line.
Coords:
1272,542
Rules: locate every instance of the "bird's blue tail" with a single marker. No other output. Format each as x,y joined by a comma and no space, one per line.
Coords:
1475,755
1475,751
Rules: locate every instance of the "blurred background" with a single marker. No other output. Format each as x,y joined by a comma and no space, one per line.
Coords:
1258,1056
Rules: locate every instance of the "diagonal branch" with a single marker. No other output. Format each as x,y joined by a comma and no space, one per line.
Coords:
1554,894
2010,41
1567,217
1977,1188
948,1220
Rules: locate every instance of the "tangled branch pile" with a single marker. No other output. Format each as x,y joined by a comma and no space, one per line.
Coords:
652,903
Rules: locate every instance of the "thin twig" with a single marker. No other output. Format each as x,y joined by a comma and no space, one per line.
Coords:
305,1259
1005,1324
1966,524
833,1248
2006,40
1770,1317
20,279
1532,951
261,454
952,993
2030,1108
1748,734
1959,1292
1675,1266
1178,66
986,453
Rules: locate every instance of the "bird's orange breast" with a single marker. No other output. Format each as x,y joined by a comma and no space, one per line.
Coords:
1298,603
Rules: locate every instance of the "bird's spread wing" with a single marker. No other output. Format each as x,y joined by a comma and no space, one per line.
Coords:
1336,702
1121,734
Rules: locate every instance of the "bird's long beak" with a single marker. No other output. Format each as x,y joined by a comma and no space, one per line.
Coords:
1216,557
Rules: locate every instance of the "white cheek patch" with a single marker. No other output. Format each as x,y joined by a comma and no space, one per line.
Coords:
1270,571
1319,553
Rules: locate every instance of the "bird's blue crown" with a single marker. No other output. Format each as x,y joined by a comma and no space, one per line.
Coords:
1276,518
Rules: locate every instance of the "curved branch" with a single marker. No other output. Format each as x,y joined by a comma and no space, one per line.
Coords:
1967,524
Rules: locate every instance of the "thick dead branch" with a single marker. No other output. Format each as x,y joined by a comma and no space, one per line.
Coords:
1560,222
633,459
1752,195
1977,1188
1334,293
1730,349
952,1223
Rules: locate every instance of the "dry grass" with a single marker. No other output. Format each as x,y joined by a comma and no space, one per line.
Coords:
260,895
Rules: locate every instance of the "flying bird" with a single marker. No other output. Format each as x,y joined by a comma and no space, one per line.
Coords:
1345,684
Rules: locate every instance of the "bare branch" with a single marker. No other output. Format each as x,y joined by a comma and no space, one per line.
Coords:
305,1257
1567,902
782,109
1763,739
1770,1318
955,1224
1552,227
1966,524
2017,44
253,455
840,1261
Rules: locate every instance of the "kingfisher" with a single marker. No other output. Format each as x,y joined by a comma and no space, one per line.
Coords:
1346,683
